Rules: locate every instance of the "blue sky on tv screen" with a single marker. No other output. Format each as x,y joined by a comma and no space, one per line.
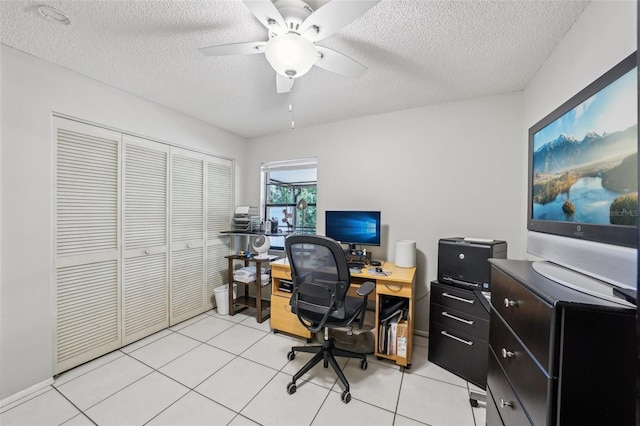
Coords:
612,109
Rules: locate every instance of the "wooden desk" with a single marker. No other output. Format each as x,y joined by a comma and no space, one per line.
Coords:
401,282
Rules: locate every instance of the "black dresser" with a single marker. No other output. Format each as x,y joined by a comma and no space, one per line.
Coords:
557,356
458,331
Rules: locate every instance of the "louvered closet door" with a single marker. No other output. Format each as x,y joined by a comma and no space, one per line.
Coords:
145,291
187,285
87,298
219,212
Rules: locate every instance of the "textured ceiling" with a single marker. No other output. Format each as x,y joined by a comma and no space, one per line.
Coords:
417,52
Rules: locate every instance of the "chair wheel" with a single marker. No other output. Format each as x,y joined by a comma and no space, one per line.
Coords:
363,364
291,356
291,388
346,397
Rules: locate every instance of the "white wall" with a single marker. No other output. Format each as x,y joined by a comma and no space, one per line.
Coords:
31,90
603,35
437,171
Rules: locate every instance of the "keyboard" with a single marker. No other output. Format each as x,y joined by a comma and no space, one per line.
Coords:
355,265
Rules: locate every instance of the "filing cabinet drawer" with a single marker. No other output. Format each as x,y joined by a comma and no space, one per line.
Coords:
509,407
457,298
459,353
461,321
532,385
529,316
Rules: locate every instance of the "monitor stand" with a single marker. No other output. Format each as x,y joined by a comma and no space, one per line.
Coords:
579,282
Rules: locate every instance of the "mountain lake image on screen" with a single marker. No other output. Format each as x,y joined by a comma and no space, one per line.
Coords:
584,163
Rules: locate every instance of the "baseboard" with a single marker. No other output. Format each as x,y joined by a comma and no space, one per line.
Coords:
421,333
26,392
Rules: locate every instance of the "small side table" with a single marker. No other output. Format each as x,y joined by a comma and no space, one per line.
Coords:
263,307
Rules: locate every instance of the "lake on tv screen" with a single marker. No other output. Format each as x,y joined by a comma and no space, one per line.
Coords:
591,203
594,180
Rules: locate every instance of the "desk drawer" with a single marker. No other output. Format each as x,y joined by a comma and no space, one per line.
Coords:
283,320
463,355
458,299
280,272
530,318
393,288
461,321
532,385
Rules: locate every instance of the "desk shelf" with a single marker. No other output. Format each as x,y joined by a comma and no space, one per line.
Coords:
263,307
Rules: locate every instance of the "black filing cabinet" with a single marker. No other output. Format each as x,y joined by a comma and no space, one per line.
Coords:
557,356
459,331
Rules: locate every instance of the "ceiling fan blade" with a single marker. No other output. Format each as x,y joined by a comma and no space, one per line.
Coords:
333,16
267,14
248,48
339,63
283,84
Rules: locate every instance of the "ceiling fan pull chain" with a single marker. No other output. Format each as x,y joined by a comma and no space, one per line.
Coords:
291,111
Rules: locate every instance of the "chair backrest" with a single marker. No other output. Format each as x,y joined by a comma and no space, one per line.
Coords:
320,275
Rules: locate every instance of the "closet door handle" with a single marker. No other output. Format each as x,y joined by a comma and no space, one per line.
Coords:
448,315
460,299
147,252
451,336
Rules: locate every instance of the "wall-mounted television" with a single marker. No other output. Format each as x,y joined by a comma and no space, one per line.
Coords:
353,227
583,176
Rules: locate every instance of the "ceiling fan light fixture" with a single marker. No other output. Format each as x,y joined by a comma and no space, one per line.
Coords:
291,55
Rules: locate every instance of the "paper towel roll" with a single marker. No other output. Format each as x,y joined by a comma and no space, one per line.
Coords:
405,253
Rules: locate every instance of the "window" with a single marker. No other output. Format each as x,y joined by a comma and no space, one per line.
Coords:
289,197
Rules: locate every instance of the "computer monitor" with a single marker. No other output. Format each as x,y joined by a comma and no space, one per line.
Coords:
353,227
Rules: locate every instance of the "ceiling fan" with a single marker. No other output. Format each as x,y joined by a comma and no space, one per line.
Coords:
293,29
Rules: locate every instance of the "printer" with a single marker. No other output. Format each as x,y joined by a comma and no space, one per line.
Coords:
463,262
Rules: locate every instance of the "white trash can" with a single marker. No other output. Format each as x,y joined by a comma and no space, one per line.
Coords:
222,298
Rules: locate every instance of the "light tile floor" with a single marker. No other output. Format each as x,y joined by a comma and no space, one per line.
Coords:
223,370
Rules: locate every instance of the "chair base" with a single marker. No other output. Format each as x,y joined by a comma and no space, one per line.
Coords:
326,353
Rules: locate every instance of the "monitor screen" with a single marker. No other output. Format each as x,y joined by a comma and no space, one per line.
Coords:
353,227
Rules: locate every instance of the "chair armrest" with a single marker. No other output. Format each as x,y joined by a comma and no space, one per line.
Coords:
366,288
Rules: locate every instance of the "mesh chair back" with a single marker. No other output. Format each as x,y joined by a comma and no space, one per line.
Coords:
320,276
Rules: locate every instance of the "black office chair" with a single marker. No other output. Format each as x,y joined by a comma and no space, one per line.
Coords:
321,278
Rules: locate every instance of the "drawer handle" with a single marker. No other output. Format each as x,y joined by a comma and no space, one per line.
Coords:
393,287
508,303
147,252
504,403
507,354
466,342
448,315
460,299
